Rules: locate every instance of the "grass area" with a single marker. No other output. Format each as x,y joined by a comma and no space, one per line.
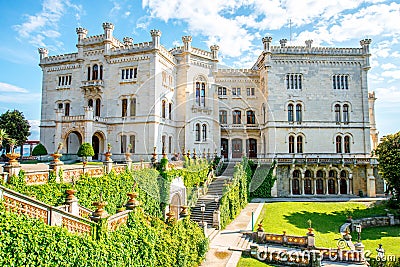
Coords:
326,219
247,261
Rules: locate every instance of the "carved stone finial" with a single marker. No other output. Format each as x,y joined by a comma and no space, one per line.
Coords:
283,42
128,41
82,32
186,39
43,52
214,50
108,26
155,33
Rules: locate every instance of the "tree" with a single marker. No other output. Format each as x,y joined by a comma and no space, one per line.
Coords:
85,150
15,125
3,137
388,152
39,150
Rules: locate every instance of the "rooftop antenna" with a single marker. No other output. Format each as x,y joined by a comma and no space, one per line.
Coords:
290,31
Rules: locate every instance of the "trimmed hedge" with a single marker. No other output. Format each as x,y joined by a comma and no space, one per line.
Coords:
262,181
113,188
142,242
235,196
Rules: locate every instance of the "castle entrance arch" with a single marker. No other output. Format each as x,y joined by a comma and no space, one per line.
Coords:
73,142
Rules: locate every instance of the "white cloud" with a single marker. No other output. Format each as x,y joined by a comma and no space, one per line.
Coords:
19,98
34,125
394,74
5,87
44,24
388,66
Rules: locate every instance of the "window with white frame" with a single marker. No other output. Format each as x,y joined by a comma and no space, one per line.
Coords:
250,91
64,80
221,91
294,81
236,91
128,74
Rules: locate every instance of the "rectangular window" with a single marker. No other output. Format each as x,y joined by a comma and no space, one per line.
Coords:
124,108
223,117
340,81
237,117
133,107
132,143
221,90
250,91
128,74
170,145
236,91
123,143
294,81
64,80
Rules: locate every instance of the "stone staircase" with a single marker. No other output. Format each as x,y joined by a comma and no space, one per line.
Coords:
243,243
211,199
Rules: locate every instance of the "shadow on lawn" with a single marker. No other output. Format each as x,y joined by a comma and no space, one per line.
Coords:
331,222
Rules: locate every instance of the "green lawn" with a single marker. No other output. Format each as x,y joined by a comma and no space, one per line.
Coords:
246,261
326,219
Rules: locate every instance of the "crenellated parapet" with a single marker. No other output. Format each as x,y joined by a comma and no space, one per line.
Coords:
267,43
316,50
43,52
59,59
82,33
128,41
240,72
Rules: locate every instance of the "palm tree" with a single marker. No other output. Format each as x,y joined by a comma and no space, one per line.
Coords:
3,136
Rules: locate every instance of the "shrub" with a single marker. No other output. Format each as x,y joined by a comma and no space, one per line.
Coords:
39,150
85,150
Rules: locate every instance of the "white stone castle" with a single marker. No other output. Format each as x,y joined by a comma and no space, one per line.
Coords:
308,108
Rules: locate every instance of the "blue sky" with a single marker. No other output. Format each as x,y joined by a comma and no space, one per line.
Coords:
237,26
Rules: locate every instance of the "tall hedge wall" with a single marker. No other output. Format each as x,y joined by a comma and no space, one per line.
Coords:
143,241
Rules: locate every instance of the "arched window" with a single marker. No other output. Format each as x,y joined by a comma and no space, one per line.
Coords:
337,113
343,174
170,111
320,174
223,117
101,72
98,106
200,94
299,144
347,144
332,173
346,113
307,174
204,131
132,143
290,113
67,107
251,118
163,106
88,73
95,73
296,174
197,132
170,144
133,106
338,144
90,103
291,144
124,107
299,116
123,143
237,117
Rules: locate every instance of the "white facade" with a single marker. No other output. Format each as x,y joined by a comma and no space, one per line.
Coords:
294,104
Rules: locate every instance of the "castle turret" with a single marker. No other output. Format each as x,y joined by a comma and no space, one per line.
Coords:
214,50
365,49
308,43
43,52
82,33
283,42
156,36
128,41
108,36
267,43
373,131
187,43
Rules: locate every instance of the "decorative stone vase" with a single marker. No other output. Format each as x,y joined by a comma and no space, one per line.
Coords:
260,228
99,213
170,217
184,211
128,156
13,158
70,195
310,230
108,155
132,202
56,157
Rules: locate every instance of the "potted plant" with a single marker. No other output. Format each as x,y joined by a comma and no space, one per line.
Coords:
85,151
12,155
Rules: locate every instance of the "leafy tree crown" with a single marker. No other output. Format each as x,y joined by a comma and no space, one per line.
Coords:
85,150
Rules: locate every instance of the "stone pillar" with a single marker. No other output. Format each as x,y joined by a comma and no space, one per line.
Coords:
290,186
350,183
371,192
216,219
310,238
43,53
72,201
338,186
12,167
108,162
374,132
326,186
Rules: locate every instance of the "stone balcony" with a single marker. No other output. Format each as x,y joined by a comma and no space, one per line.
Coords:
93,86
244,127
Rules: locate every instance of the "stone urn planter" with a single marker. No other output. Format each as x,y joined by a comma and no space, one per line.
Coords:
132,202
56,157
70,195
13,158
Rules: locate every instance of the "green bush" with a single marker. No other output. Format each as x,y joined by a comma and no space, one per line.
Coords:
85,150
143,241
235,197
39,150
262,181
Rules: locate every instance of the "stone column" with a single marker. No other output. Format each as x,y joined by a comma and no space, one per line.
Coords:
326,186
338,186
350,183
371,192
290,186
315,185
302,184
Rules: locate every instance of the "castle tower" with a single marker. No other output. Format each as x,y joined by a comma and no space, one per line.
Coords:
155,35
187,47
128,41
43,52
374,132
365,49
108,36
82,33
308,43
267,44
